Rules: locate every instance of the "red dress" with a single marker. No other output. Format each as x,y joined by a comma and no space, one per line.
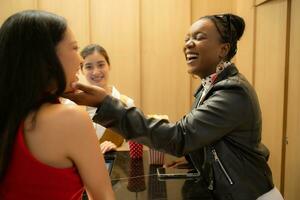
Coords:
28,178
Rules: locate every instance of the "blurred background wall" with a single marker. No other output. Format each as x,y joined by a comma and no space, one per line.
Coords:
144,39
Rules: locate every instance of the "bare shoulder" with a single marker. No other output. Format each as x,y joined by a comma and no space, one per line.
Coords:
55,132
68,119
69,113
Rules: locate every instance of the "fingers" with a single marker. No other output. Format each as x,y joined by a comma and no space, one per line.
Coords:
86,94
179,163
182,165
170,164
107,149
83,87
107,146
76,96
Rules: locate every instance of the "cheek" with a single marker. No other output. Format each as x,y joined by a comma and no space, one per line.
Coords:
209,52
69,64
86,74
106,72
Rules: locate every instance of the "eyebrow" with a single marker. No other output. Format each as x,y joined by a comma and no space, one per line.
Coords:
89,63
196,33
100,62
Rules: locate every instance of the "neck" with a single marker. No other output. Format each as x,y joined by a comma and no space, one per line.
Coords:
203,75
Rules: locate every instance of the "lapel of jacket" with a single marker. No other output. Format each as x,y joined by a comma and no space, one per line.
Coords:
197,96
229,71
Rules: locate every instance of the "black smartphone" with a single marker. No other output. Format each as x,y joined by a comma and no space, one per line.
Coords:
165,173
109,158
109,165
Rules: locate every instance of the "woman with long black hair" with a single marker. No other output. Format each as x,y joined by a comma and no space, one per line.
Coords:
47,150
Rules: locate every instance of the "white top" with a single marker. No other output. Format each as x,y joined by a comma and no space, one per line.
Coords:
92,110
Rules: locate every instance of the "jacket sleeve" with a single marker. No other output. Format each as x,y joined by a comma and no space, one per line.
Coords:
222,112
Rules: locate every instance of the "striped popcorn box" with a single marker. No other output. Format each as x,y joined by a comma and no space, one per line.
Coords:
136,181
156,157
156,189
135,150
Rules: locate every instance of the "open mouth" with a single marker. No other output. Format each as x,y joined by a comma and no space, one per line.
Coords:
190,57
97,79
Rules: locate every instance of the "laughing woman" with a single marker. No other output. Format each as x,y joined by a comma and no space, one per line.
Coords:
221,135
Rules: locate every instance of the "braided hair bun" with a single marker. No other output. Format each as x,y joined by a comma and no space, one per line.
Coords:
238,24
231,28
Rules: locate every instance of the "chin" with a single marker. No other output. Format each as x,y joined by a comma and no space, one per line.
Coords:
191,70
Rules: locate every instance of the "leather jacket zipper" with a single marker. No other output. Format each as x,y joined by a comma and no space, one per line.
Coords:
210,179
216,157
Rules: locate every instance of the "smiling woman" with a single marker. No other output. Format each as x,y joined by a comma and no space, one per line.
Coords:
209,42
221,135
96,69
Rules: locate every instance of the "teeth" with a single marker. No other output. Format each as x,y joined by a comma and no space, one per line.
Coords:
191,56
97,79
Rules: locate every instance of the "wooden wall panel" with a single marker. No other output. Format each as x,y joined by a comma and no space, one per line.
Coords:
75,11
292,165
207,7
270,48
116,26
244,58
259,2
8,8
165,81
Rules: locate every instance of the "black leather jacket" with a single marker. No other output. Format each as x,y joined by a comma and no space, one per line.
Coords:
221,135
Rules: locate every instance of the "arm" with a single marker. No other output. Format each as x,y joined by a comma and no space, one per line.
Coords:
218,116
83,149
225,110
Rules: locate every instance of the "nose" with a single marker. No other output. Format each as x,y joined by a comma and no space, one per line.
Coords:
189,43
96,71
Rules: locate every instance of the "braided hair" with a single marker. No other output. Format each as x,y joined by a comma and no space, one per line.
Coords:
231,28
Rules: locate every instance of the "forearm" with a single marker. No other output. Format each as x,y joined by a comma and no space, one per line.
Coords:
202,126
133,124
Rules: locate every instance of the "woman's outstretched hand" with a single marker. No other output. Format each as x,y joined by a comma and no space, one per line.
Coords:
88,95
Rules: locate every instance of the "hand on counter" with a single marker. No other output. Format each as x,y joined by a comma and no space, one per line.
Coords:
107,146
179,163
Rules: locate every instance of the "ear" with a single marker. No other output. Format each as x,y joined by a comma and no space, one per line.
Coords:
224,50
